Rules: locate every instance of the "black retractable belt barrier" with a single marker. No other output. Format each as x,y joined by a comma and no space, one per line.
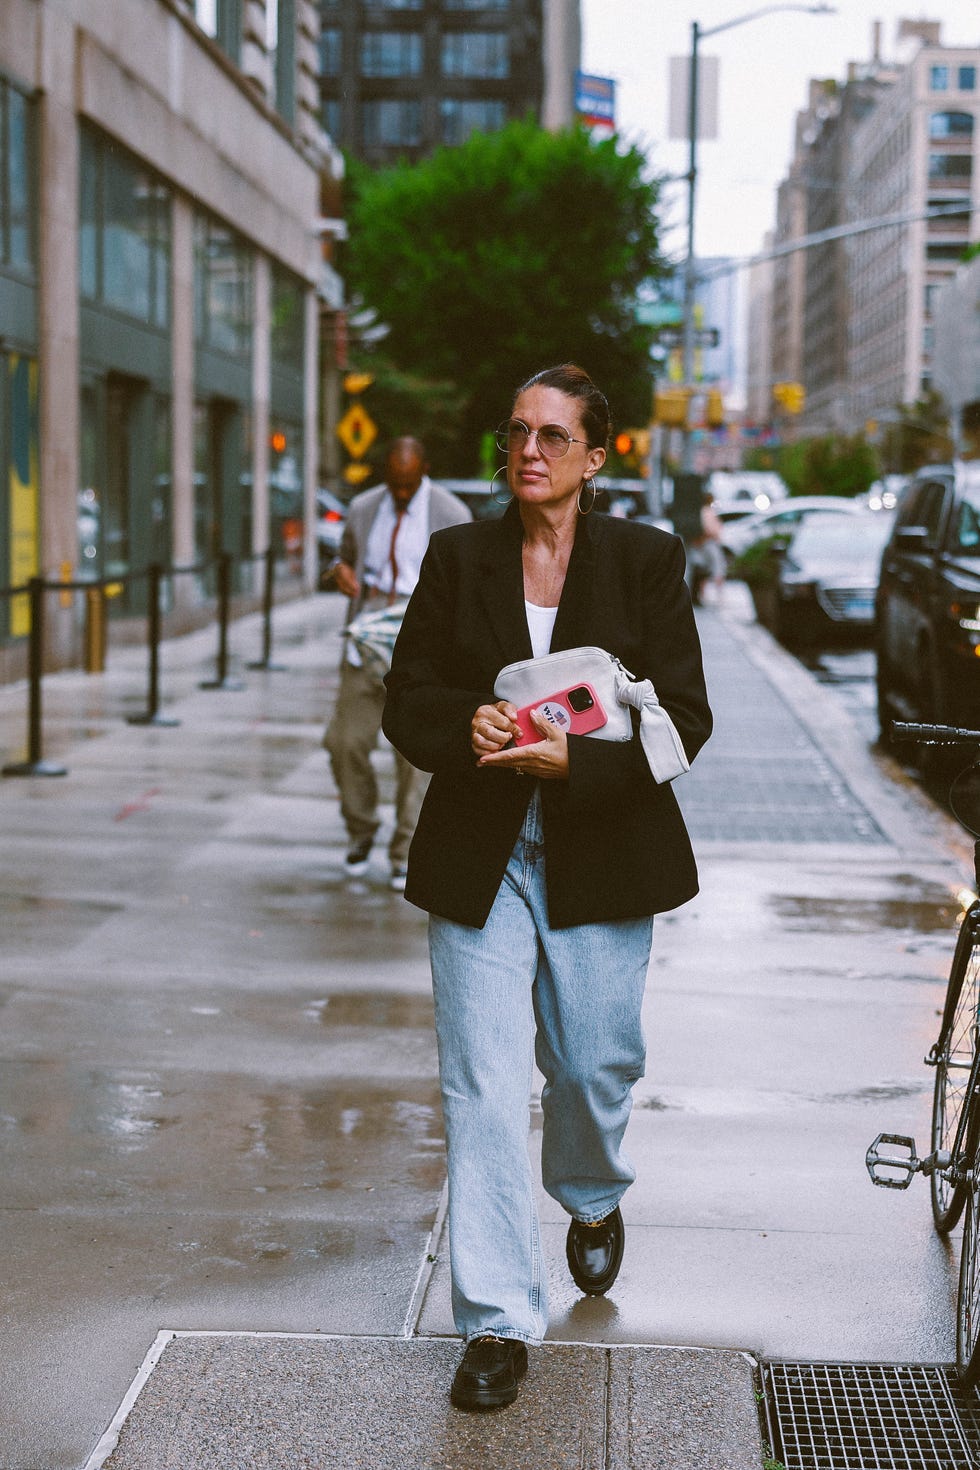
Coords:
265,662
34,765
151,715
221,679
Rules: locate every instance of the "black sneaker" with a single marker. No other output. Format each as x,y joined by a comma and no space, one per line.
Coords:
356,861
490,1373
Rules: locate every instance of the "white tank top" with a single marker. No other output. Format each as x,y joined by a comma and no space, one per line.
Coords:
540,625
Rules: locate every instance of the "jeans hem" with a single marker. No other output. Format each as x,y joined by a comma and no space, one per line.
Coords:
503,1332
598,1219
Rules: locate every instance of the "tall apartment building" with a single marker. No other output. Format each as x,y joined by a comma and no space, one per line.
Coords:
400,77
852,318
917,150
164,174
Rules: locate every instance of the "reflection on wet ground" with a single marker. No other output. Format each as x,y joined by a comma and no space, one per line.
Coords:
177,1140
843,915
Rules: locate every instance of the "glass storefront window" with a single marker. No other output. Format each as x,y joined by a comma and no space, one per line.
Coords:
89,493
288,311
17,184
222,288
205,529
124,233
286,489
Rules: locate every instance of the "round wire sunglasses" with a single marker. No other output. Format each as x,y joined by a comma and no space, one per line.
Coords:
554,441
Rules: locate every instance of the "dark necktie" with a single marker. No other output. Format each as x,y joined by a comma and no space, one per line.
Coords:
393,557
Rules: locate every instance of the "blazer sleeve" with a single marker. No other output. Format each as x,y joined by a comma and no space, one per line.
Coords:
600,771
427,717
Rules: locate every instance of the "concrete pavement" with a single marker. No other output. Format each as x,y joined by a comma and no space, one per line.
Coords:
223,1180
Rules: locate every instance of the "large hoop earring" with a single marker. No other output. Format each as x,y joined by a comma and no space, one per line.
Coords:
583,510
493,495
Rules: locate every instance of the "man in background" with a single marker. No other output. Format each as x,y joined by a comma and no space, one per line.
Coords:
385,537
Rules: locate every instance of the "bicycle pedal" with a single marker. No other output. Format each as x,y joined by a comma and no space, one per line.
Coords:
905,1165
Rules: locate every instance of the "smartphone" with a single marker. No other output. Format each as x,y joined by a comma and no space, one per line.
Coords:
576,710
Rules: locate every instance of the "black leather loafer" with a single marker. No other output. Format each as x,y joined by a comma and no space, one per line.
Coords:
490,1373
595,1253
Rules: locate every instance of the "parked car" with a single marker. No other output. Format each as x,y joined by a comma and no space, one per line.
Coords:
927,611
740,492
824,579
786,516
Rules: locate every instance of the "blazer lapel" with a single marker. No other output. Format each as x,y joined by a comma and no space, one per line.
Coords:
574,625
502,586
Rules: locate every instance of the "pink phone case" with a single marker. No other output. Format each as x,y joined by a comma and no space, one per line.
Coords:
559,711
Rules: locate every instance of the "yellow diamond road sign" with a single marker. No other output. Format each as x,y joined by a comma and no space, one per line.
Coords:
357,431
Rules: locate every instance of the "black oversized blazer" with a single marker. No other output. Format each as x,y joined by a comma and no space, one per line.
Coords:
615,841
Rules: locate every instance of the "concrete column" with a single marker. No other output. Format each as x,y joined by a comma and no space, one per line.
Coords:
261,390
311,438
58,323
182,393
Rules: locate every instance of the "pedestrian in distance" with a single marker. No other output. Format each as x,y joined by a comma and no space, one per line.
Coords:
706,561
385,537
540,865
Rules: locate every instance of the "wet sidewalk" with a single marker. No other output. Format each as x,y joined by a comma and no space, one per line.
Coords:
223,1199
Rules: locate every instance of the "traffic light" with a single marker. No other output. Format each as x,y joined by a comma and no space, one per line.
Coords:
623,444
670,407
714,412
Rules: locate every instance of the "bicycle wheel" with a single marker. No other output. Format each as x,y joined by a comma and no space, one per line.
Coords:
955,1051
968,1294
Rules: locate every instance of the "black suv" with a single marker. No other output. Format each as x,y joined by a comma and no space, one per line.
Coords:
927,609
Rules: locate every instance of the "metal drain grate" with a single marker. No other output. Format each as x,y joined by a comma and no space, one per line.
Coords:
870,1416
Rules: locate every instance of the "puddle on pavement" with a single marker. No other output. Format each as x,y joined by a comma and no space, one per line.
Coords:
884,1092
934,911
179,1138
372,1008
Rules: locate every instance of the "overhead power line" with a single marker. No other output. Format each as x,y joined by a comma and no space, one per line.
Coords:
837,232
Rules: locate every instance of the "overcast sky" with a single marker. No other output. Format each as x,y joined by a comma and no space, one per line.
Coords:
765,66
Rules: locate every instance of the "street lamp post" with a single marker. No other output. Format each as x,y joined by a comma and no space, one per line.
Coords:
690,272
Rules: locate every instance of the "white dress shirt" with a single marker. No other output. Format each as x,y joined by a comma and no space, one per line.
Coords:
409,545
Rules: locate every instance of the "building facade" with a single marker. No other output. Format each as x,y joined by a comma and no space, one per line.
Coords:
399,78
915,152
852,318
161,266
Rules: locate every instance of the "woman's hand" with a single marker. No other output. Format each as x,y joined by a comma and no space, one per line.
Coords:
547,759
492,727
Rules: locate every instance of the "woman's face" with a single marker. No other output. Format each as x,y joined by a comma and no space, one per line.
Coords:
536,478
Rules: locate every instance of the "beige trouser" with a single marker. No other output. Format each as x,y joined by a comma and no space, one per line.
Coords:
350,738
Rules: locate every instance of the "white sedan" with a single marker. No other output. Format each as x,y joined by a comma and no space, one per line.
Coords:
739,534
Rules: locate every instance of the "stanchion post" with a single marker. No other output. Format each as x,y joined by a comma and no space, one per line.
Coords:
265,662
154,574
221,679
34,765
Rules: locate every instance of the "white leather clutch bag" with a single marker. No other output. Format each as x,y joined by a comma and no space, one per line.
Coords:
538,678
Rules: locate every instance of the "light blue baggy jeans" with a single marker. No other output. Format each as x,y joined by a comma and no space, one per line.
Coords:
507,995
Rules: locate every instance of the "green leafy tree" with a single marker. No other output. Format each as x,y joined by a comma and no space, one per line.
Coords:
829,464
514,251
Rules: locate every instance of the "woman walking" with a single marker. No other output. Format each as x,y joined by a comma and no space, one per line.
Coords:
541,866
